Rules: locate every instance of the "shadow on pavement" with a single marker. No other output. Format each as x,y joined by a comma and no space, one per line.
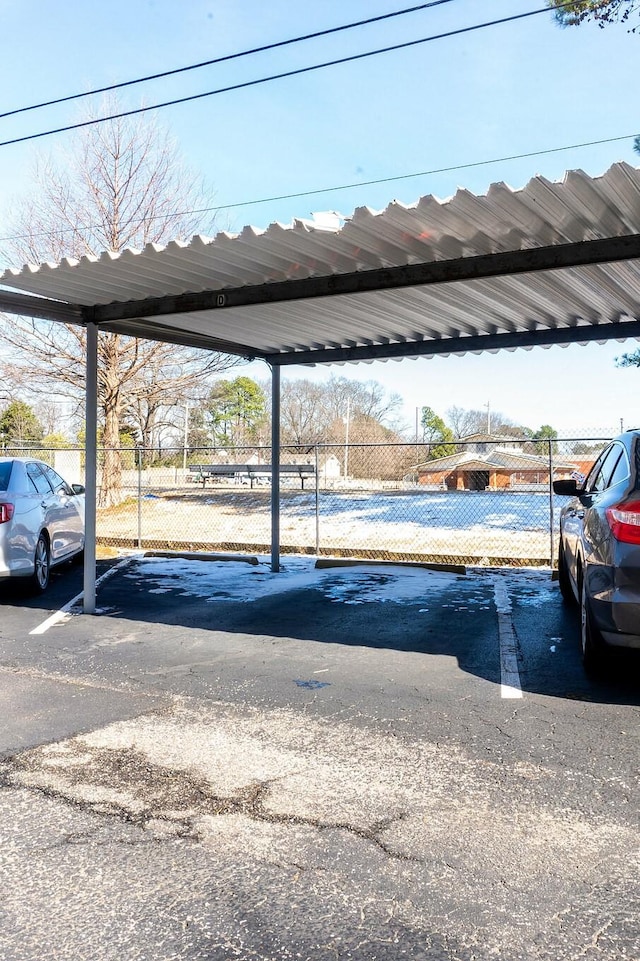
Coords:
457,620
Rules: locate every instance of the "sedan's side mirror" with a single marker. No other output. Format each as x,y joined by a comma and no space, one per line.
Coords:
77,488
568,487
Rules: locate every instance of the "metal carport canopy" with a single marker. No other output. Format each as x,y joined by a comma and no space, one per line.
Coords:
553,263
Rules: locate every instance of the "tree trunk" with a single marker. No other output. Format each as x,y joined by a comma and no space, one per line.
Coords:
110,489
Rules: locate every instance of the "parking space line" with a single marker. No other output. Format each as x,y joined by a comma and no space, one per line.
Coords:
510,686
60,615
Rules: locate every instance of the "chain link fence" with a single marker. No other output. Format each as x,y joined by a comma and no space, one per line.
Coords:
484,501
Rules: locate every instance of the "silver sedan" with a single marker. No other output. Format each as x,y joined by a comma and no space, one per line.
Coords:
41,520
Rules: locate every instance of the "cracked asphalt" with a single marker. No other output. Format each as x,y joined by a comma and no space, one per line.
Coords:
302,776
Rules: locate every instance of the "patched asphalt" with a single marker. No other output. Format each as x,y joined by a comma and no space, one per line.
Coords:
313,774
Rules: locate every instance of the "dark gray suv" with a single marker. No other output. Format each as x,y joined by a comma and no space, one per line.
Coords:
599,553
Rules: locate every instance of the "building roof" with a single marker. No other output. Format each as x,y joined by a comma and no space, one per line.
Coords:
497,459
502,438
554,262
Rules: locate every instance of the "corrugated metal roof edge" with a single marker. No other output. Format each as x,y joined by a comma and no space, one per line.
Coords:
309,226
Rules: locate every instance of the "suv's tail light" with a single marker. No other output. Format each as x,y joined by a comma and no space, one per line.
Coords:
624,521
6,512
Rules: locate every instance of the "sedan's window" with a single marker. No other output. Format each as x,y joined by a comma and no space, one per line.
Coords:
595,474
602,470
611,468
58,483
5,474
38,479
621,471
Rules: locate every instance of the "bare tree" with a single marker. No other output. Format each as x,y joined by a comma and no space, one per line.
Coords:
366,400
464,422
121,184
49,414
302,413
314,413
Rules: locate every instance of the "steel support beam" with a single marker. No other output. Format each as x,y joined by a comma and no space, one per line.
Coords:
28,306
540,337
554,257
275,470
90,470
167,334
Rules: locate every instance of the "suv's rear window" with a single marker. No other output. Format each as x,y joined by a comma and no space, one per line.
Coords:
5,474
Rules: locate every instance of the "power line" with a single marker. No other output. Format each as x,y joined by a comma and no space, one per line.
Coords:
278,76
228,57
349,186
421,173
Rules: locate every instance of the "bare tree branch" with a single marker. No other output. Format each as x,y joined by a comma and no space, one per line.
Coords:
122,184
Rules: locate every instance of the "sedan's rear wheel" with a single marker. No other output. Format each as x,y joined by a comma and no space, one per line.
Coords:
593,647
564,580
41,565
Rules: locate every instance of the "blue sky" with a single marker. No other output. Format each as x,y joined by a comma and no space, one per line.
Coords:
510,89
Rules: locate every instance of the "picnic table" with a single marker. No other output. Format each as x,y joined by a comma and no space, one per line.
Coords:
255,473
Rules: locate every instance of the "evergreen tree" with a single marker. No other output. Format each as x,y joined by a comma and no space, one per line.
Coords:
237,411
19,425
436,434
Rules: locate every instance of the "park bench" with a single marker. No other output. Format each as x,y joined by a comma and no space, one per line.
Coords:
255,473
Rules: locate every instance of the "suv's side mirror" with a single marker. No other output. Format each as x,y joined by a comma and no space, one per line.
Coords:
77,488
568,487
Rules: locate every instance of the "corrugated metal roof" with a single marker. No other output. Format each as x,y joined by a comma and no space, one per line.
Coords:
580,208
498,459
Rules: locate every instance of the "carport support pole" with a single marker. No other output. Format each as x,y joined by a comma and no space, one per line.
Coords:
275,468
90,470
551,518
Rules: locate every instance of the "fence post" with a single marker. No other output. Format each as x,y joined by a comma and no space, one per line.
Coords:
317,463
139,459
551,517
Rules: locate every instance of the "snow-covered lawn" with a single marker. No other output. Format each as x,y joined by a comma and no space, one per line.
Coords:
425,524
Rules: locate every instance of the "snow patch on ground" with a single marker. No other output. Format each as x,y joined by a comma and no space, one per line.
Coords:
238,581
359,584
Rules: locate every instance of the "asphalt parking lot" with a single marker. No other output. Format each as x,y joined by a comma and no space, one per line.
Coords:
364,762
